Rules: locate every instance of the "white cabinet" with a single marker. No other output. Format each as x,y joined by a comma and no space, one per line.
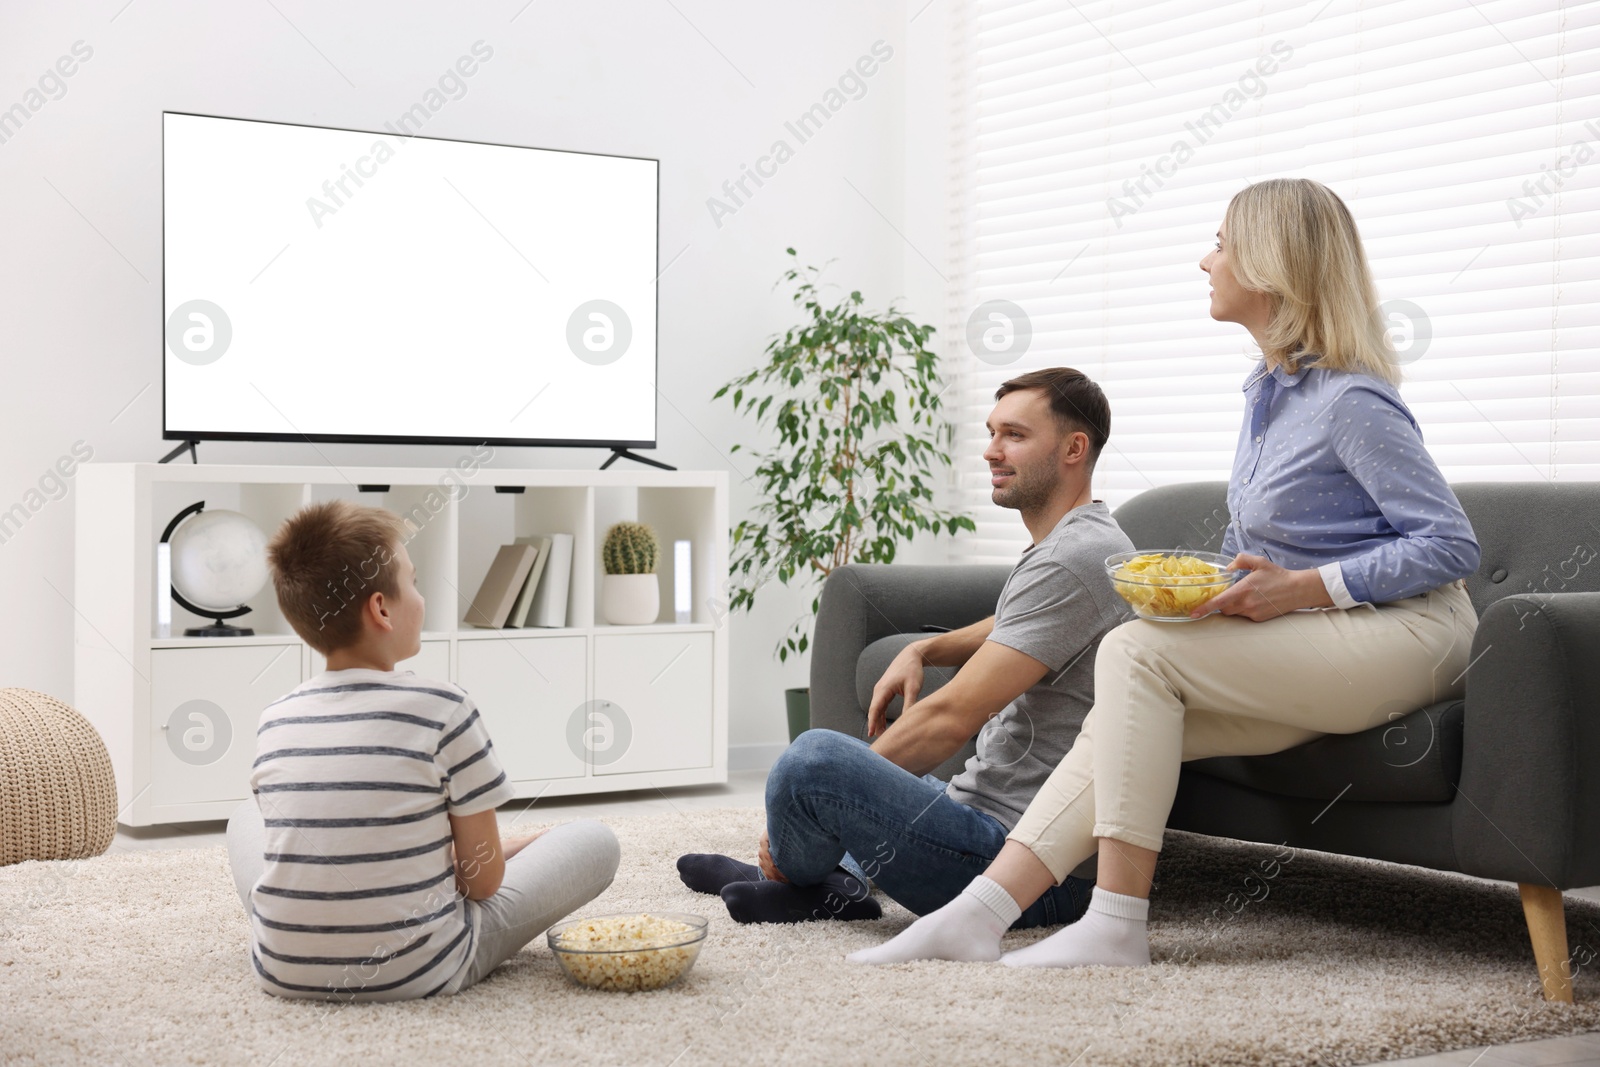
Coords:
205,704
526,689
652,708
584,708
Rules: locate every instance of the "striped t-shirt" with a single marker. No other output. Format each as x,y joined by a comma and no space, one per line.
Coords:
356,774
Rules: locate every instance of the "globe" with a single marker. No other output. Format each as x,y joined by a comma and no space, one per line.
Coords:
219,560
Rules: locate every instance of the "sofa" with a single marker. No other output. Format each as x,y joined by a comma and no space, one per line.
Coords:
1502,784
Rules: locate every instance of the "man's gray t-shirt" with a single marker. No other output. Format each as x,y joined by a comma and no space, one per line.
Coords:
1056,606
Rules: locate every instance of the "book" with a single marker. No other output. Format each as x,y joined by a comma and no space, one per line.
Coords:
498,593
550,599
519,610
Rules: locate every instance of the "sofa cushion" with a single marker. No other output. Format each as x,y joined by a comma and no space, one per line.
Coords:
875,659
1416,758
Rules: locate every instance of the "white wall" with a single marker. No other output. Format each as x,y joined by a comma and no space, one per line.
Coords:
706,87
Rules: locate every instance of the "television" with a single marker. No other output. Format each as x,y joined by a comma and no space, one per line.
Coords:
340,285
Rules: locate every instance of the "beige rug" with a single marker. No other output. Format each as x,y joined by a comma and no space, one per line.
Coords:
140,957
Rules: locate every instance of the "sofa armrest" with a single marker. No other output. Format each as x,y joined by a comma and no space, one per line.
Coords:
1527,807
864,602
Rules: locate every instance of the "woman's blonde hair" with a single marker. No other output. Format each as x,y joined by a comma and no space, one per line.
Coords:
1294,239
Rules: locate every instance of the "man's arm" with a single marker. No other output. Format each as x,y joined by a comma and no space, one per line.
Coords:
904,676
931,731
954,648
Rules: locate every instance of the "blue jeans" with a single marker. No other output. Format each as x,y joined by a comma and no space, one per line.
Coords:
832,801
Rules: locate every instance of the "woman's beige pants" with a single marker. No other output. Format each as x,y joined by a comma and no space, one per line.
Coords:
1227,686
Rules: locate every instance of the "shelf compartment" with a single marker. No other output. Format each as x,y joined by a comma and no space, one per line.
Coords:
267,504
487,520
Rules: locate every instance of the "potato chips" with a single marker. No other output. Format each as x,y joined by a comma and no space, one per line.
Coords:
1168,585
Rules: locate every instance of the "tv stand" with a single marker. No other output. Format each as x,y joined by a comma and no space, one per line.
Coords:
587,707
176,452
623,453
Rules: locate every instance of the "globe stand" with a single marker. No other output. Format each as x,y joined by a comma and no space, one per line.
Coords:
217,628
223,630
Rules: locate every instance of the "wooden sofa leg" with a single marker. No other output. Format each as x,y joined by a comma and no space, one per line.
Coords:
1547,927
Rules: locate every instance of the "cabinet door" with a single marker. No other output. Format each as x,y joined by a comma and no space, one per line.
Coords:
205,705
652,703
526,689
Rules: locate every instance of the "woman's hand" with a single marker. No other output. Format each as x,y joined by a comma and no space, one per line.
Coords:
1267,591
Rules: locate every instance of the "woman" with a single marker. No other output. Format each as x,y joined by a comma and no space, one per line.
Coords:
1337,505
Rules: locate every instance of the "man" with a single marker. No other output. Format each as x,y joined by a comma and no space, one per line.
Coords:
840,812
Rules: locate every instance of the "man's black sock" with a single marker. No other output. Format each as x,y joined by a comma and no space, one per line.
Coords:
839,896
707,872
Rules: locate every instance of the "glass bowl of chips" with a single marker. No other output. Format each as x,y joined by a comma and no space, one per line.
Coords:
1164,585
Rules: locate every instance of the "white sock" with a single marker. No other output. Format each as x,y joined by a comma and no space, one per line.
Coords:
1110,934
968,928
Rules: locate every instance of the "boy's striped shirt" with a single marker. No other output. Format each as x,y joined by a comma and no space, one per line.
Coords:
356,774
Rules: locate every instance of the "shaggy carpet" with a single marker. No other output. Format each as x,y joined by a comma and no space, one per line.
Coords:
1262,956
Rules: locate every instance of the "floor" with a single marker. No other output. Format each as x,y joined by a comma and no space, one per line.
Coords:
747,789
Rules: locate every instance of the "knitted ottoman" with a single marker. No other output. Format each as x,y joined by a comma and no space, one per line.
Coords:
58,796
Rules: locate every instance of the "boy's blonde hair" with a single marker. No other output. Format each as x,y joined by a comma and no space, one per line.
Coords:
327,559
1295,240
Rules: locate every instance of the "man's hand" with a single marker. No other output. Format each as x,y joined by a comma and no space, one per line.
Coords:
904,679
764,854
926,735
1267,591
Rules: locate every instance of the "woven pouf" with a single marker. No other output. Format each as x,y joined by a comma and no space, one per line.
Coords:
58,795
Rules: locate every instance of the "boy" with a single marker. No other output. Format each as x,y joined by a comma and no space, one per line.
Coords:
370,861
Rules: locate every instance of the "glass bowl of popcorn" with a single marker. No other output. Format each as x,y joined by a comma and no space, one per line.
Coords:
1164,585
628,951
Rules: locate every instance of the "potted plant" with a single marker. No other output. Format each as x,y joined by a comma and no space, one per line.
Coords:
855,399
630,594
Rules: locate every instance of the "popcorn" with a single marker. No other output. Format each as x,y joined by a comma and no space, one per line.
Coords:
627,953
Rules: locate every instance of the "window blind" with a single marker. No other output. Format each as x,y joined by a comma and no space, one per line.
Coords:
1097,143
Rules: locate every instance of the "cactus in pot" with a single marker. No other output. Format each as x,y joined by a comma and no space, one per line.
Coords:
630,594
630,548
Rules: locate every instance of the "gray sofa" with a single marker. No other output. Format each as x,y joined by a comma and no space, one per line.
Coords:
1503,784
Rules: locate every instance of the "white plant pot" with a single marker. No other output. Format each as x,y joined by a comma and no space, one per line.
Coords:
630,599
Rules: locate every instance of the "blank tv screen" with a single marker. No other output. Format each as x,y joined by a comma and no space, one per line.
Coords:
343,286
